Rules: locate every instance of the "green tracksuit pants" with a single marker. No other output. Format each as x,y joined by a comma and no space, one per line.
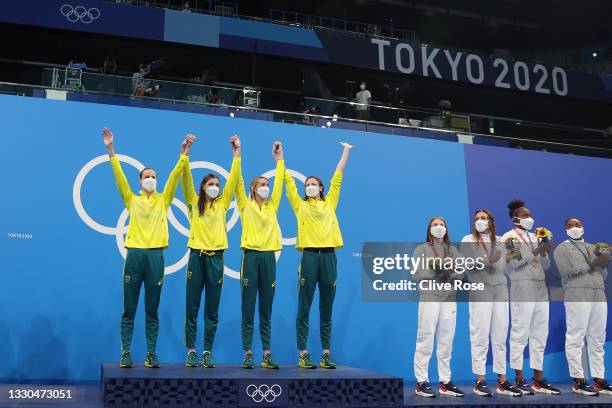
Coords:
257,274
316,268
204,272
142,266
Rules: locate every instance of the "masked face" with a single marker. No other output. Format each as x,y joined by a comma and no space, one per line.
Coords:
263,192
525,223
481,225
575,232
312,191
212,191
438,231
149,184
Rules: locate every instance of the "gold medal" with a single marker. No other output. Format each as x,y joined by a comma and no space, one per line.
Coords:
535,263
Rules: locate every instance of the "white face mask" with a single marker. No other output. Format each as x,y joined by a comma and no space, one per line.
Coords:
362,87
438,231
263,192
212,191
575,232
526,223
312,191
481,225
149,184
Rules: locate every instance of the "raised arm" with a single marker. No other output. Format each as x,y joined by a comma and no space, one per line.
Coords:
122,183
345,154
173,178
189,191
292,193
277,190
232,180
241,196
334,186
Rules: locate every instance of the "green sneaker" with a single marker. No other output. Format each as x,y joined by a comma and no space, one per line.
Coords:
192,359
126,360
326,362
207,360
268,361
151,361
248,360
305,361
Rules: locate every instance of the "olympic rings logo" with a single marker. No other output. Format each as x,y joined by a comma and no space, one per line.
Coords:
264,392
120,229
79,13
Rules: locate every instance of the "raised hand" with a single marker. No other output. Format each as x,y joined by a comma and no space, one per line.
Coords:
187,142
235,142
346,145
107,137
277,150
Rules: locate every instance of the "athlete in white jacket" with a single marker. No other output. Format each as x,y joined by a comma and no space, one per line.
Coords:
583,273
437,312
489,308
527,259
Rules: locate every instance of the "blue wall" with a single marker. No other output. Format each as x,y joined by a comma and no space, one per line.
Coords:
60,298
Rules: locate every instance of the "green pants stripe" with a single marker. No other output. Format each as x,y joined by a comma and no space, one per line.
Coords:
142,266
316,268
204,272
257,275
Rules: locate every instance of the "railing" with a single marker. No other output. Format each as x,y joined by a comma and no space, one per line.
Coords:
338,24
451,120
65,78
230,9
225,8
320,112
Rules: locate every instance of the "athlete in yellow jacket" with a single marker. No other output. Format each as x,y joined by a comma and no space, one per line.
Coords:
317,237
147,236
261,237
207,211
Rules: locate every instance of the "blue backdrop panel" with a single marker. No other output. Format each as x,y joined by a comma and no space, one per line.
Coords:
554,187
60,301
